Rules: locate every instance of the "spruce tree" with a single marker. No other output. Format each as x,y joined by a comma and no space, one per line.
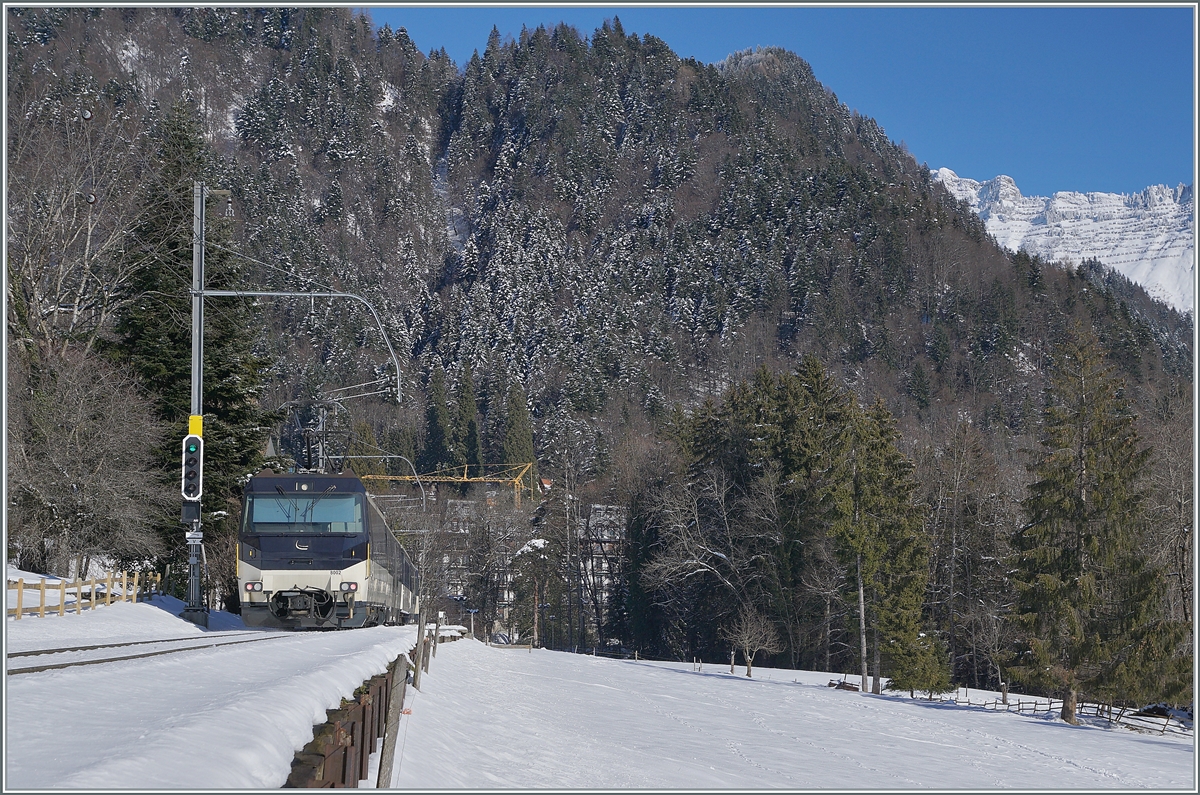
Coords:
362,443
153,334
878,533
517,447
1087,598
902,572
467,448
920,663
437,453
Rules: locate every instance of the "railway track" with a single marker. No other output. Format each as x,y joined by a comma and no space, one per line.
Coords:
193,644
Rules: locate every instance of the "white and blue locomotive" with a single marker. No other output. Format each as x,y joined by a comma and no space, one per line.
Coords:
314,552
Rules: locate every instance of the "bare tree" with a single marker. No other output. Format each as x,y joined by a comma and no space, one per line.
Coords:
493,542
1170,539
825,577
705,532
75,163
80,441
574,445
429,547
752,632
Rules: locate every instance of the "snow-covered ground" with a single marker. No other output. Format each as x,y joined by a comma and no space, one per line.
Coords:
227,717
1149,237
493,717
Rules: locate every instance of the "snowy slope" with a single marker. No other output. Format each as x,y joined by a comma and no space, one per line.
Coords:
509,718
1148,237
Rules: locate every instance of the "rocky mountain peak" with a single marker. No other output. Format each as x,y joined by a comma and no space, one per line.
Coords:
1146,236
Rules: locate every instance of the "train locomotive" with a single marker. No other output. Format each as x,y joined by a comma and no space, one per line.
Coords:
314,552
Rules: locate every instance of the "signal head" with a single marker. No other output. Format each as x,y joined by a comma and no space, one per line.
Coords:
192,485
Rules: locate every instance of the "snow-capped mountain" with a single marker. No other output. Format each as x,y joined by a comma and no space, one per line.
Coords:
1148,237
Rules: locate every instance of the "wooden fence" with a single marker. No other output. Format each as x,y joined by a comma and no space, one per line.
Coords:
340,752
1135,719
88,594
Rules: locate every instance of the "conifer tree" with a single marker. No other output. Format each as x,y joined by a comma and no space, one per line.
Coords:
154,332
879,533
467,448
1088,599
921,663
362,443
437,452
902,573
517,447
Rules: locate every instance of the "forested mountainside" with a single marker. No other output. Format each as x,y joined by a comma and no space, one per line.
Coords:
627,239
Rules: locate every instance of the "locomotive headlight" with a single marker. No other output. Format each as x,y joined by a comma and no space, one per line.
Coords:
349,586
254,586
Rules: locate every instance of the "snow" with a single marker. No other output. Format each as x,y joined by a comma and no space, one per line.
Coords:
129,55
531,545
492,717
216,718
1148,237
511,718
390,98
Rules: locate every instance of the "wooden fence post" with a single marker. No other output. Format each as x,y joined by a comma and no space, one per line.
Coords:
62,596
92,594
136,576
397,681
124,586
78,596
20,592
42,598
108,590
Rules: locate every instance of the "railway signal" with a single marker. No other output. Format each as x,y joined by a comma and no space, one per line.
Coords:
193,467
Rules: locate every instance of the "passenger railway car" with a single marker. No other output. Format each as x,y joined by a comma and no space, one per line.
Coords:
314,552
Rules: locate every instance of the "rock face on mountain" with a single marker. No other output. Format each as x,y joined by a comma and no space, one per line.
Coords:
1147,236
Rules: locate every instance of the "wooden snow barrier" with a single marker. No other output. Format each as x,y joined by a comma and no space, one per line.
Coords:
1155,718
89,594
340,752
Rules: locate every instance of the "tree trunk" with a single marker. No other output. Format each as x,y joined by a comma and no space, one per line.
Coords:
862,625
536,609
826,633
749,655
420,648
1068,707
732,654
875,688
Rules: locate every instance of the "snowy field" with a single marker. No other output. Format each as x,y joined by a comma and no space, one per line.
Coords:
230,717
491,717
496,717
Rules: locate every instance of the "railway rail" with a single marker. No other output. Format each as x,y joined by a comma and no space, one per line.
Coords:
195,644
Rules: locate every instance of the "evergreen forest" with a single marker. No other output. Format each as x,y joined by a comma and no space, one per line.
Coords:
844,430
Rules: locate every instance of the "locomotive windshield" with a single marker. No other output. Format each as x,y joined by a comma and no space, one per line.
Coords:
294,513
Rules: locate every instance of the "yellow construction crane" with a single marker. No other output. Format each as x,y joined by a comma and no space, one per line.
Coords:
506,474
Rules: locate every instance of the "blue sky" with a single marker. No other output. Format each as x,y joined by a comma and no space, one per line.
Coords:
1075,98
